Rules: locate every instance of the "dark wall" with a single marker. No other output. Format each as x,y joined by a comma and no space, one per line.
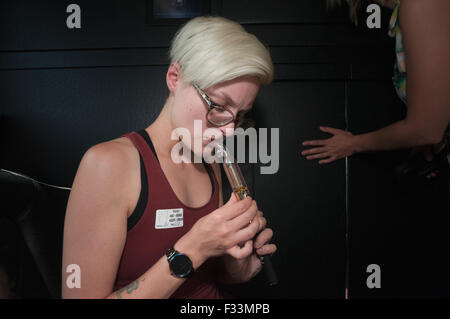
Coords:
63,91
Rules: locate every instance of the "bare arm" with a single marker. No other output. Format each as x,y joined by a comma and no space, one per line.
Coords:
426,37
95,231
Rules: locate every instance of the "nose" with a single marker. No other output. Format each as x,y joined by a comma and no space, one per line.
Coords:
227,130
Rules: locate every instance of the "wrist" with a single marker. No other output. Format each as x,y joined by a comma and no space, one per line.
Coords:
186,247
358,144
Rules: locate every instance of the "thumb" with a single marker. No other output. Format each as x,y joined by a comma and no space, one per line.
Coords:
241,252
329,130
232,199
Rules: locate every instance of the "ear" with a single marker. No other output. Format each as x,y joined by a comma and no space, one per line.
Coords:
173,76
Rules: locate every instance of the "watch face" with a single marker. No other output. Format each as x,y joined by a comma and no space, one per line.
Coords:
181,265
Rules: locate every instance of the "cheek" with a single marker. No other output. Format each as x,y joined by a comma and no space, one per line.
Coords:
185,115
187,111
193,114
181,114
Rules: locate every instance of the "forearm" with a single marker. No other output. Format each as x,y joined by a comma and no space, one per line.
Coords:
399,135
157,282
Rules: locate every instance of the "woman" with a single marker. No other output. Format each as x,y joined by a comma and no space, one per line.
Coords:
422,80
139,225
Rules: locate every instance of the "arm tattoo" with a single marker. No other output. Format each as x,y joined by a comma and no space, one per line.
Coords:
133,286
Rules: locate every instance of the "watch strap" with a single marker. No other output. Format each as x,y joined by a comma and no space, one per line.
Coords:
171,253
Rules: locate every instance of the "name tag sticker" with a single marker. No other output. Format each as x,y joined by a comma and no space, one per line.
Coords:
169,218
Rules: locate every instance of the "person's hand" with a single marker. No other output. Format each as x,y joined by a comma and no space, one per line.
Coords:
248,264
342,144
221,231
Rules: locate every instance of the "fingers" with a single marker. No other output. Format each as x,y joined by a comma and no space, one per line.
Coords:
262,223
315,150
315,143
239,253
245,233
263,237
268,249
316,156
231,200
260,220
245,218
316,153
260,245
330,130
234,208
247,230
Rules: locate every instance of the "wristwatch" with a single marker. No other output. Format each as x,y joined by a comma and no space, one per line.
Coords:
180,265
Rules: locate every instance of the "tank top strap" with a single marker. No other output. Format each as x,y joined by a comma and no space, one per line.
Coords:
143,143
139,142
212,177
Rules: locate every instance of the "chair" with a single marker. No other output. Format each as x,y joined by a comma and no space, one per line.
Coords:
38,210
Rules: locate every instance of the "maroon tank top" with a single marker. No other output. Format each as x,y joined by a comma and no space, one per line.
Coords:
148,238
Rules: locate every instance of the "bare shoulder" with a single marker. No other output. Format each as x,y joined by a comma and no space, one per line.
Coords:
95,223
110,169
112,154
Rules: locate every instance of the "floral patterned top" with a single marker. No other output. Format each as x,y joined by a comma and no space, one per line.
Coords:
399,77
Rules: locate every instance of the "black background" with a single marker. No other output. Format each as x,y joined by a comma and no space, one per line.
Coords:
63,90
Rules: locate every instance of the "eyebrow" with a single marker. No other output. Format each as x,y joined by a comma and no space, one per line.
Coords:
226,96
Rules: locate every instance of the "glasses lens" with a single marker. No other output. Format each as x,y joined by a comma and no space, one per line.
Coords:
219,116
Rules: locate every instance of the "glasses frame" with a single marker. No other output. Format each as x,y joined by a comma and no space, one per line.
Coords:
212,106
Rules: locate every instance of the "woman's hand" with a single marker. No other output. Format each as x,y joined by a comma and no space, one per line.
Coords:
221,231
342,144
247,263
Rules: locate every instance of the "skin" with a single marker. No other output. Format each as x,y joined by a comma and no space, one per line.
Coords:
106,190
426,34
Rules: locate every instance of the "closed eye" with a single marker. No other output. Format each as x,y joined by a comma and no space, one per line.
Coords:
216,104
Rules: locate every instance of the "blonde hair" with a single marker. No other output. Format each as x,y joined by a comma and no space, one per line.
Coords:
353,6
211,50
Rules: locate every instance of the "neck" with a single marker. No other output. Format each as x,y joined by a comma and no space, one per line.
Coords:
161,130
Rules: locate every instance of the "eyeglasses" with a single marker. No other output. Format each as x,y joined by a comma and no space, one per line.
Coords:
221,115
